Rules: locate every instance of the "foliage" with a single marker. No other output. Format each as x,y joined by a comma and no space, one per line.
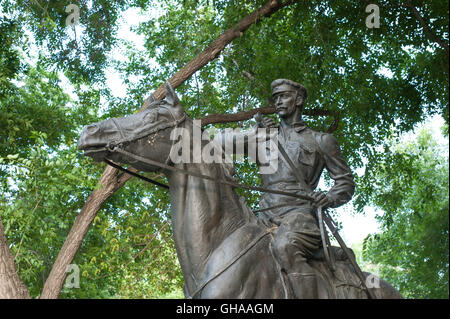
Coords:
365,264
411,187
127,248
45,182
81,55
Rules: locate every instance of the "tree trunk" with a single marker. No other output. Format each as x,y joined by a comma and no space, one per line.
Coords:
11,287
110,179
110,182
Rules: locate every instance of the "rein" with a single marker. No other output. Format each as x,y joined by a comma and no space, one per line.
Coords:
135,174
117,149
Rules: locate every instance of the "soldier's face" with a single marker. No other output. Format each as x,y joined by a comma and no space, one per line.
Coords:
285,103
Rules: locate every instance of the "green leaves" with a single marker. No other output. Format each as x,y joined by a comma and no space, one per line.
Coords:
410,185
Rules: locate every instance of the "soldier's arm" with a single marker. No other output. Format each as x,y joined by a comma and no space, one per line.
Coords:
237,141
246,143
344,185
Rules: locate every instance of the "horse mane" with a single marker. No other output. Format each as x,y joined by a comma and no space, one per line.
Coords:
227,168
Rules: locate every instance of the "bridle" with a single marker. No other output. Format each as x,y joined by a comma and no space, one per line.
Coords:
113,146
117,145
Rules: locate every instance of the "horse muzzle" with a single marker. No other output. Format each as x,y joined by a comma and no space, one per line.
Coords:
92,147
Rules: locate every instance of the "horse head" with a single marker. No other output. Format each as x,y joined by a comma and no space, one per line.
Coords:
146,133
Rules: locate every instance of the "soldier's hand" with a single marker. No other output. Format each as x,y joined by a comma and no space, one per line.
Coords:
268,122
262,135
320,200
275,220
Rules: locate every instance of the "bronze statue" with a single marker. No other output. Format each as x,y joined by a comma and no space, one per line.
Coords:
298,237
224,250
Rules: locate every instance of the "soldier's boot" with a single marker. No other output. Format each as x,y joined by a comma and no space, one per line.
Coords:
304,285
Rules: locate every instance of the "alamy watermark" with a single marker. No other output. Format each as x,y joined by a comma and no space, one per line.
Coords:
73,278
214,146
372,281
373,19
74,15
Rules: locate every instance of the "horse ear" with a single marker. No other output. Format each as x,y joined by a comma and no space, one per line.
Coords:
151,99
171,96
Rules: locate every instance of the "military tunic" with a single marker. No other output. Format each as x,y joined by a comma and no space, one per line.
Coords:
311,152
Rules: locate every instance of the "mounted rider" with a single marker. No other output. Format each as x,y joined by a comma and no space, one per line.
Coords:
298,237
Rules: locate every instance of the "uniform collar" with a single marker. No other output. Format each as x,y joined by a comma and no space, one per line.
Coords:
298,126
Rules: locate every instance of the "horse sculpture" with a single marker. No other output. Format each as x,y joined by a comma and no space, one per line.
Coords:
224,250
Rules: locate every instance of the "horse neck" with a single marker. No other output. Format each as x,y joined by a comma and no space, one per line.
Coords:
204,213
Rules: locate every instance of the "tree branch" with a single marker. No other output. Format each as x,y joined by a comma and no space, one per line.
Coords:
11,287
215,48
243,116
110,182
425,26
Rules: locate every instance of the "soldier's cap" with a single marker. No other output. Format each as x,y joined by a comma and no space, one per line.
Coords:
285,85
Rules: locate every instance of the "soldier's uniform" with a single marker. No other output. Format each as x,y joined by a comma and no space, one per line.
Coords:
298,237
311,152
